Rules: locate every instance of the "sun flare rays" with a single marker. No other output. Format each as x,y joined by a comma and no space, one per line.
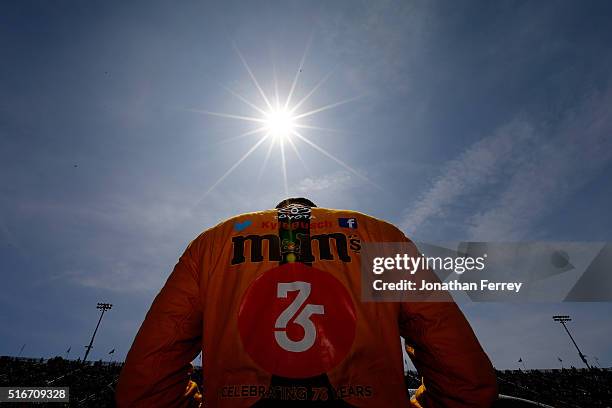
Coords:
278,121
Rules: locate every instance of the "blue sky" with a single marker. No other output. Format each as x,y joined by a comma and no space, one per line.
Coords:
473,121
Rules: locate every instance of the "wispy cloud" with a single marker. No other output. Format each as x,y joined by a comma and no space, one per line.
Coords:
337,180
518,174
117,276
478,166
572,156
134,247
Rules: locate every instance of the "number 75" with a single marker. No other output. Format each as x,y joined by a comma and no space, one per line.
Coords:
302,319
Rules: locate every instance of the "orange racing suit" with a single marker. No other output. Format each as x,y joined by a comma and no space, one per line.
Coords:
235,295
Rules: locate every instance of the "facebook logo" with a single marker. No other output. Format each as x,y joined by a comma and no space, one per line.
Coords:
348,222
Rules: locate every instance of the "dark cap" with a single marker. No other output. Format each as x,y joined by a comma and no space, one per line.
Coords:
295,200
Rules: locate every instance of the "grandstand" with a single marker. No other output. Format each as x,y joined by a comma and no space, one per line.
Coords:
92,384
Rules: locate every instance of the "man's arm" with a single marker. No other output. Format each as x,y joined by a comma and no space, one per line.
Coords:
456,371
155,371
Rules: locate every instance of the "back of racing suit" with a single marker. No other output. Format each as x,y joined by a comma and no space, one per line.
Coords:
272,299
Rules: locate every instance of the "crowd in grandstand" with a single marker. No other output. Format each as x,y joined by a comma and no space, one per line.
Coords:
559,388
92,384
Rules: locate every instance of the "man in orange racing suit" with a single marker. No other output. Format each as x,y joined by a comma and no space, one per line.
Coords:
272,299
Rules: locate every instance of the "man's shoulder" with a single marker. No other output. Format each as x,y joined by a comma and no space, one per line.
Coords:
258,222
360,219
239,222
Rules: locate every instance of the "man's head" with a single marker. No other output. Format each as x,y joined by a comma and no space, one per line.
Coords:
295,200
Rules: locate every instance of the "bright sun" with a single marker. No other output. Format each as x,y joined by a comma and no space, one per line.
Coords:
280,123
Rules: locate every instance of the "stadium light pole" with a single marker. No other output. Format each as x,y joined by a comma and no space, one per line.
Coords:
103,307
563,319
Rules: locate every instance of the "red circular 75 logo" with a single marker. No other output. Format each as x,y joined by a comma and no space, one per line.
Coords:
297,321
